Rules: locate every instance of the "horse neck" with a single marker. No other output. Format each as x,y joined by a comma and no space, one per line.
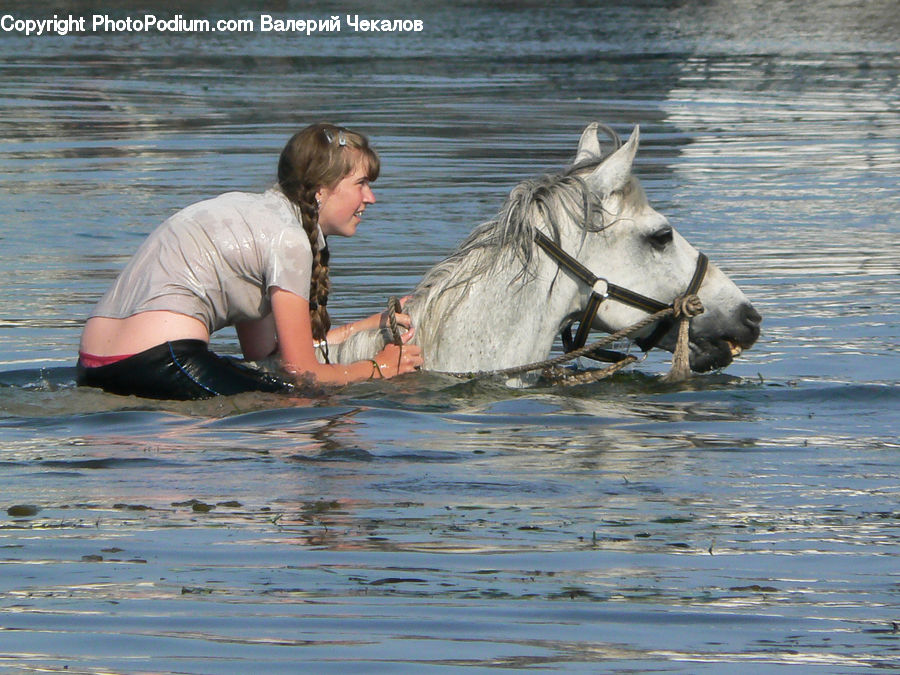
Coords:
501,319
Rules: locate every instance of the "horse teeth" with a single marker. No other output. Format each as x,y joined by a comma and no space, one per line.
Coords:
736,349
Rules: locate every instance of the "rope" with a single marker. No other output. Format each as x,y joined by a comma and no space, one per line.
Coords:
575,353
684,308
559,376
687,306
393,307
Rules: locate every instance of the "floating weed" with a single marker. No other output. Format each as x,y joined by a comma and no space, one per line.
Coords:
320,506
397,580
573,593
196,505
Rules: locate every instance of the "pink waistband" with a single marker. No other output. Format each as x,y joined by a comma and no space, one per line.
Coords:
91,361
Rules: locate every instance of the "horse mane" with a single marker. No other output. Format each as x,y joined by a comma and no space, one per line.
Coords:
507,241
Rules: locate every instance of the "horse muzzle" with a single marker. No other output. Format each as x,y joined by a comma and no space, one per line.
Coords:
717,345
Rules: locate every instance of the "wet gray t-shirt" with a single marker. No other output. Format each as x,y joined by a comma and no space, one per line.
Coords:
216,261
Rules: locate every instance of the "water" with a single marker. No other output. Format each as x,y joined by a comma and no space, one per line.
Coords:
747,521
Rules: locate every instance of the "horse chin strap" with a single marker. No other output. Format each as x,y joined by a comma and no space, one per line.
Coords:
685,307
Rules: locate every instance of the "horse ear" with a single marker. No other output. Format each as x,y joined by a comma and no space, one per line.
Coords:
614,172
588,145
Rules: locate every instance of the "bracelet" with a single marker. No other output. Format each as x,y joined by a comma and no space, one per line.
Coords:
375,367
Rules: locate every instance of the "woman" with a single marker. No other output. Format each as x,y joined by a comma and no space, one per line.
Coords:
255,261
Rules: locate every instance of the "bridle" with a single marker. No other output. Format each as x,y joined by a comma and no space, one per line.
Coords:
601,289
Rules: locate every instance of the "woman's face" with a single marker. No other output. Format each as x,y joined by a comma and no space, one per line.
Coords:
342,205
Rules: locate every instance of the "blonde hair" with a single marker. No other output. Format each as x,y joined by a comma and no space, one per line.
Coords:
320,156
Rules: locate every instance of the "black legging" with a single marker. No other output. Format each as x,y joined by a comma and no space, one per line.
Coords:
182,370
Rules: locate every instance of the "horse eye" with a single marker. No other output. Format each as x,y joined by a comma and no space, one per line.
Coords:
661,238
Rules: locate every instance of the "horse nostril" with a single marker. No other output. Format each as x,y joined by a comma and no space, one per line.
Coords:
751,319
750,316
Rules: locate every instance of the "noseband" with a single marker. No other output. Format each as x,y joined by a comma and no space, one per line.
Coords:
601,289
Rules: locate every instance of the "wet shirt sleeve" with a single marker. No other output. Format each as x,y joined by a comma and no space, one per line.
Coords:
289,263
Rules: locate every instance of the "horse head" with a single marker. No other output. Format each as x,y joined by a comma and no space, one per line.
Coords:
626,242
498,301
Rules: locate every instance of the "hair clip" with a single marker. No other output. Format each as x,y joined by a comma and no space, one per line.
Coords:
342,139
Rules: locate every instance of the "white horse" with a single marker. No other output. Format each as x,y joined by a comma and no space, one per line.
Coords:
500,299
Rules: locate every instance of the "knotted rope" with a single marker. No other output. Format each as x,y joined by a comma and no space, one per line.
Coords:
684,308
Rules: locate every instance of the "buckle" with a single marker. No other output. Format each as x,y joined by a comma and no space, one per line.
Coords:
601,288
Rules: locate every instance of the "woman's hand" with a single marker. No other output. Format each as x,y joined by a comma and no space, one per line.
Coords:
395,360
373,322
403,320
295,341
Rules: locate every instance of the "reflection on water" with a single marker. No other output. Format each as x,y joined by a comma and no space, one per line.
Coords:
746,518
607,526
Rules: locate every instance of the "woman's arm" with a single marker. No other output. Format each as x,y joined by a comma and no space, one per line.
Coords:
341,333
257,338
295,343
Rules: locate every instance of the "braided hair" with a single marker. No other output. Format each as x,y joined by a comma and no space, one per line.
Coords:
320,156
